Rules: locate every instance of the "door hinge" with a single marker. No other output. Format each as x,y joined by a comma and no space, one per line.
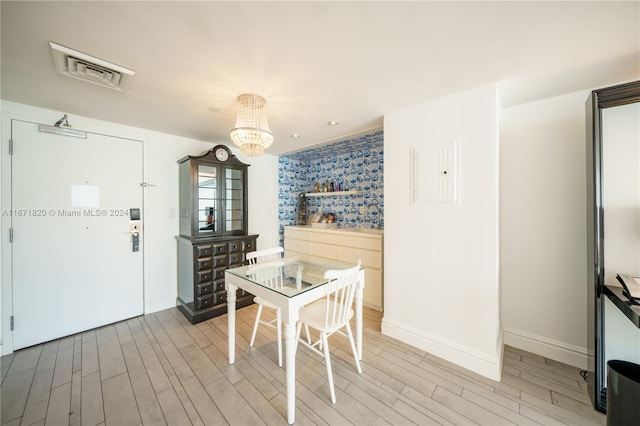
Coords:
12,323
10,235
10,146
146,185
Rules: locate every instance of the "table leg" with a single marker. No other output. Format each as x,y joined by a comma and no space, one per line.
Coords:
290,349
231,313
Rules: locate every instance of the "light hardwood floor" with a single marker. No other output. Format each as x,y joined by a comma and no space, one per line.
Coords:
159,369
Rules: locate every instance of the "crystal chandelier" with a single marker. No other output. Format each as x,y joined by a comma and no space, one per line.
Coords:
252,132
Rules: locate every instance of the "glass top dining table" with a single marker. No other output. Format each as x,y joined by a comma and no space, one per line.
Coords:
302,283
299,273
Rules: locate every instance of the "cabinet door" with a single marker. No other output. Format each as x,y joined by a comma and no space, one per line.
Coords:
207,217
234,214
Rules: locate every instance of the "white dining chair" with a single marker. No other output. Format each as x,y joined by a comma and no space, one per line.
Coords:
330,314
261,256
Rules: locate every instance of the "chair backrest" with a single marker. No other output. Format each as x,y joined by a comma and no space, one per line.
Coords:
339,295
268,273
266,255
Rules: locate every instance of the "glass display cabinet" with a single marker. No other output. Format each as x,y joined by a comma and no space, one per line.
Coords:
213,231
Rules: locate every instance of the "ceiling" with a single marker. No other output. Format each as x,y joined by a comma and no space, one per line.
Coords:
314,62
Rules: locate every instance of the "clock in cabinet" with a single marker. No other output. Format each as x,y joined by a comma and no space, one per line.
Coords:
213,231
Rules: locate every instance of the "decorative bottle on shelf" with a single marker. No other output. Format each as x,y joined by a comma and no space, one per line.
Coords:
316,188
331,187
302,209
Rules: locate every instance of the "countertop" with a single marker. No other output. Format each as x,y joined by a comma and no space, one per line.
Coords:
362,232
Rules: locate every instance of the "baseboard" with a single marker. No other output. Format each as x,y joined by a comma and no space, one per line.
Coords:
469,358
548,348
500,348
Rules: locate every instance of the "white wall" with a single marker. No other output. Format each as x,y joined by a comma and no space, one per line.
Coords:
263,198
543,227
441,278
161,153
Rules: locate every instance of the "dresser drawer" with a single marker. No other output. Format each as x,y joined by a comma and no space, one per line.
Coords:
324,250
366,243
218,274
202,250
368,258
202,302
204,276
203,263
249,245
236,259
218,285
298,234
235,246
320,237
219,297
299,246
219,248
205,288
220,260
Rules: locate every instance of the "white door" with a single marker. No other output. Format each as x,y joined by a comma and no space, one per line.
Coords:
74,267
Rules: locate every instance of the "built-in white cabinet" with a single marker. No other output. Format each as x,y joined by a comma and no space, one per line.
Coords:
345,246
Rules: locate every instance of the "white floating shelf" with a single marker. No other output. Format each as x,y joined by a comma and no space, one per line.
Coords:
329,194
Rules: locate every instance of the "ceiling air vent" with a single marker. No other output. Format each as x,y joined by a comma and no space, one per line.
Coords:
84,67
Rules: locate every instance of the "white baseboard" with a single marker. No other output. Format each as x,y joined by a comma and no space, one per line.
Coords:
488,366
500,349
548,348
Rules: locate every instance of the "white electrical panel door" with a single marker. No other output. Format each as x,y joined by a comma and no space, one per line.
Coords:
434,170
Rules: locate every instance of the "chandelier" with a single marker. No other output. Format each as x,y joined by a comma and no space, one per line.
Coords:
252,132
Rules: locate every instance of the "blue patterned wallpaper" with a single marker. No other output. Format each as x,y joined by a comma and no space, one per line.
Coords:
355,164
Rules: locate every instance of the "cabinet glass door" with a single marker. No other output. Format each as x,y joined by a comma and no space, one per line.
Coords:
234,205
208,212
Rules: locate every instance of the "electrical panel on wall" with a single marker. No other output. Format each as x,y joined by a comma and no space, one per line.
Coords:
434,173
